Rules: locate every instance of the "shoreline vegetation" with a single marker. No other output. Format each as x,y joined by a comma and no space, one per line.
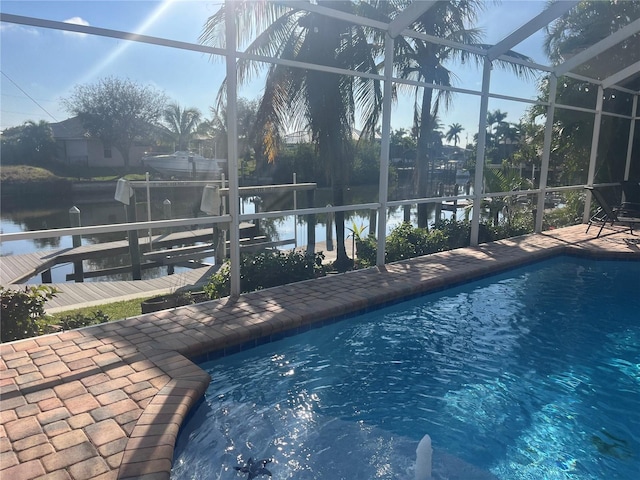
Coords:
20,180
28,174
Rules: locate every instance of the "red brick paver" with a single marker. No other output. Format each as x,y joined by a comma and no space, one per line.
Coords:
107,402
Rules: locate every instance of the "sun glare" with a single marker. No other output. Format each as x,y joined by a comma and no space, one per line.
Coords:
122,47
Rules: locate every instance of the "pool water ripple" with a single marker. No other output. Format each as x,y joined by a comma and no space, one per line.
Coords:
534,374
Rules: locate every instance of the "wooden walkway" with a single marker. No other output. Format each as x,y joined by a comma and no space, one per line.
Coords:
18,268
88,294
79,295
15,269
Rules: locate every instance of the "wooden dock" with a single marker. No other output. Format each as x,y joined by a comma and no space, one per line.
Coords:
16,269
88,294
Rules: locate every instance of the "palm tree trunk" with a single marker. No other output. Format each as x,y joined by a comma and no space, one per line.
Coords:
343,262
422,157
338,157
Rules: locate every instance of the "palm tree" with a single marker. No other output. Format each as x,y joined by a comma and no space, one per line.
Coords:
453,134
247,134
495,120
31,143
498,181
181,124
207,130
421,60
305,99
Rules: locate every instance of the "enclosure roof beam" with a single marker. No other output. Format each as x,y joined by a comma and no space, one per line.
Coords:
105,32
623,74
408,16
543,19
598,48
333,13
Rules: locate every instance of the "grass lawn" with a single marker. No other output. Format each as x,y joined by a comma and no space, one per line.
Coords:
28,173
115,311
25,173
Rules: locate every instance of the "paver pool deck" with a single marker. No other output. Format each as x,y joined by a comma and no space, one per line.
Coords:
107,402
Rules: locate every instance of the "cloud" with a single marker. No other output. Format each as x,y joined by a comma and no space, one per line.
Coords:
11,27
76,21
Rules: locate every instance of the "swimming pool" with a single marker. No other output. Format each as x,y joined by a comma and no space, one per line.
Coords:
533,374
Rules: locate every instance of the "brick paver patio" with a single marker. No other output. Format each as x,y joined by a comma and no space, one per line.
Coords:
107,402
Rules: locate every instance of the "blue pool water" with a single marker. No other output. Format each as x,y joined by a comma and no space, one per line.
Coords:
533,374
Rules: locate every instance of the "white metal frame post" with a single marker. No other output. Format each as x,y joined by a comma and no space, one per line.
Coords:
593,157
478,189
632,130
232,142
546,151
383,190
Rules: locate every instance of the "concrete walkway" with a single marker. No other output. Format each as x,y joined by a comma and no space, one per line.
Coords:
107,402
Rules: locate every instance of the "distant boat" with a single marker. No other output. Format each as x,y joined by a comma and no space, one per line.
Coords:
184,164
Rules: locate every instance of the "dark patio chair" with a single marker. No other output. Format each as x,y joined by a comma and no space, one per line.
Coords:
624,214
631,190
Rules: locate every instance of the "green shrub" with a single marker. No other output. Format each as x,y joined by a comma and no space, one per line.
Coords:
76,320
404,241
367,250
458,233
22,310
266,269
569,213
517,227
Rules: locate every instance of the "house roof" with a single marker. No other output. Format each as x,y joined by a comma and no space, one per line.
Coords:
69,129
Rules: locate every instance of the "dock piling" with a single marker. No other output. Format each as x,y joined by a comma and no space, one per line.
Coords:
311,224
132,236
166,211
74,221
329,232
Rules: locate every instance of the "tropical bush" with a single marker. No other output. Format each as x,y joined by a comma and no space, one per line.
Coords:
266,269
28,144
22,314
76,320
21,311
458,233
406,241
570,213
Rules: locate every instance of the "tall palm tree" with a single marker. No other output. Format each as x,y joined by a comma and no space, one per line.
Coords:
453,134
495,121
247,133
181,124
305,99
421,60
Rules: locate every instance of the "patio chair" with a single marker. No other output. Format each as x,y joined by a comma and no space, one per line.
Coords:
624,214
631,190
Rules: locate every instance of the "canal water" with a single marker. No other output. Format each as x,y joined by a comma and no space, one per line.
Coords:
34,212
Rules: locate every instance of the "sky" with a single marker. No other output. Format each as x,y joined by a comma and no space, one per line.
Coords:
41,66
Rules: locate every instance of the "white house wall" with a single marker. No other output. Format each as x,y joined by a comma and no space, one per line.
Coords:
91,153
